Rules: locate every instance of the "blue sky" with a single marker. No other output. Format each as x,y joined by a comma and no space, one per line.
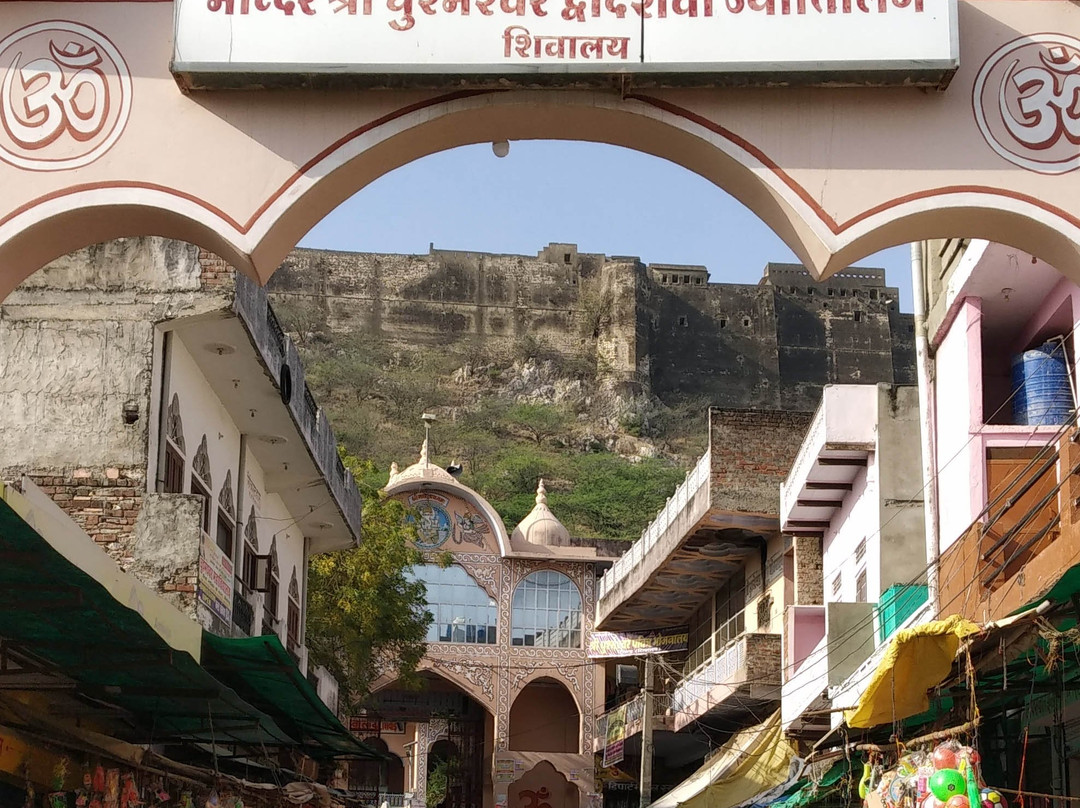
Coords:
603,198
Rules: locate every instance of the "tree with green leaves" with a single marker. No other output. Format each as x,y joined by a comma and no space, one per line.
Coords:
367,617
538,421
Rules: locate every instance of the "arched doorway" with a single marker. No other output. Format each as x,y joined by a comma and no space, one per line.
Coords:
543,787
545,718
378,776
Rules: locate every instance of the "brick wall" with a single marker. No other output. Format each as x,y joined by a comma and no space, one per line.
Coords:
809,586
752,452
104,502
215,273
763,658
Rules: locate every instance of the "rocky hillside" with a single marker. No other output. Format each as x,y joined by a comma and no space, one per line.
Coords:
610,458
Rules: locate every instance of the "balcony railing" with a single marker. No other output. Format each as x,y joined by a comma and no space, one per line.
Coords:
717,669
716,643
695,478
1026,515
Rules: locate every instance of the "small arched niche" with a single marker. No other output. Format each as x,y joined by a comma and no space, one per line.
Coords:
545,718
543,785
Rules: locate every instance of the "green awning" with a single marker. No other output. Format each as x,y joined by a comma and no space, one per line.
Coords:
807,792
263,672
54,613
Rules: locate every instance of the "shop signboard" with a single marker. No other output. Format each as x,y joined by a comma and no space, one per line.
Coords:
604,644
372,726
233,42
215,579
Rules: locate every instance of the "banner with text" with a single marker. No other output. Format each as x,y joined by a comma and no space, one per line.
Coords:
604,644
615,737
795,38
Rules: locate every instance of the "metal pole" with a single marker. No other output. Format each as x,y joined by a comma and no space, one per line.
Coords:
646,736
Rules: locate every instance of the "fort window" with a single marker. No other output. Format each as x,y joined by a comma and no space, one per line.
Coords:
809,290
566,258
843,293
663,279
873,294
723,323
858,316
682,320
794,290
686,279
674,278
746,322
829,292
697,281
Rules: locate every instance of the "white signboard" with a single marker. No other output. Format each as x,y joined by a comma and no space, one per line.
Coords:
862,39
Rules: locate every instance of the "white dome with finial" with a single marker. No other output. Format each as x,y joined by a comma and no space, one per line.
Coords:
540,525
421,471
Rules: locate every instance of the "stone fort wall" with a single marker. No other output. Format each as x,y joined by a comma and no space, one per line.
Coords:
659,327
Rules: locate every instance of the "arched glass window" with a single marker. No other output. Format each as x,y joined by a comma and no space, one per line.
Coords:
547,612
463,611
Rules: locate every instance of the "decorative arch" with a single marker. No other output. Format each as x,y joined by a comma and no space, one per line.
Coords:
200,464
547,611
476,681
456,489
545,717
226,501
544,784
770,177
174,424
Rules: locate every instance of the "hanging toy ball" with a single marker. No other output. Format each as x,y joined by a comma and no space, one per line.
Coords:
944,758
931,802
947,783
992,798
959,801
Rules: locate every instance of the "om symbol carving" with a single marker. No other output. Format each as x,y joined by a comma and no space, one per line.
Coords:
536,799
65,96
1026,101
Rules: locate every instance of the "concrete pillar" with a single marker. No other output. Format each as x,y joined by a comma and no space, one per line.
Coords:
809,584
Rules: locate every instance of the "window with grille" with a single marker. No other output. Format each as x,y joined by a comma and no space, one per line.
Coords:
198,488
461,610
173,477
546,612
292,632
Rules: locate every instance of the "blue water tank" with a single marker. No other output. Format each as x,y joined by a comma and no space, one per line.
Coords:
1040,378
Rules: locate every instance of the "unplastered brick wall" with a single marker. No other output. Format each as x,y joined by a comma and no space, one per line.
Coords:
809,586
763,658
104,502
215,272
752,452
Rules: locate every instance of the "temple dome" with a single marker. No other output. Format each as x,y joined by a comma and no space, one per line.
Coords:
540,525
420,471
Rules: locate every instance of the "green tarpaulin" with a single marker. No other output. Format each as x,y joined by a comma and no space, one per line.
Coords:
260,669
53,612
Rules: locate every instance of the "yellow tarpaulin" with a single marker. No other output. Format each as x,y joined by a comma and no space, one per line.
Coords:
753,761
918,658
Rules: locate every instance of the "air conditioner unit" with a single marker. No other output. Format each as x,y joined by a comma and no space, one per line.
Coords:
626,675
